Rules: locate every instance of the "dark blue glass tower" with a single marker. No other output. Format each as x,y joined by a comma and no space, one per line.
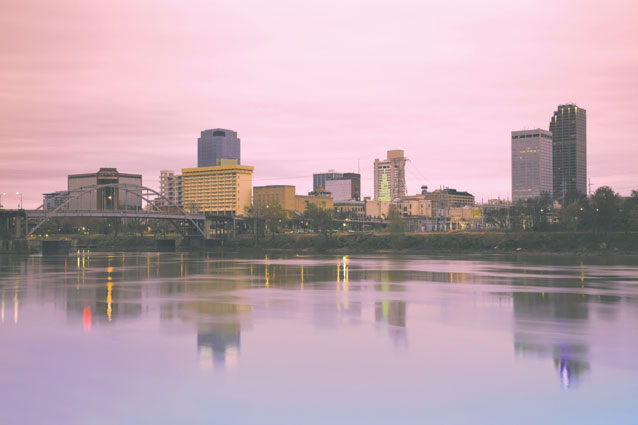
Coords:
217,144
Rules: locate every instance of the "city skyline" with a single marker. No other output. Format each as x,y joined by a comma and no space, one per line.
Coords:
81,94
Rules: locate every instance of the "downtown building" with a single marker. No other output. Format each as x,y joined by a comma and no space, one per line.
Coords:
346,188
319,180
217,144
224,189
51,201
339,186
532,163
389,177
286,197
85,193
569,151
446,198
170,189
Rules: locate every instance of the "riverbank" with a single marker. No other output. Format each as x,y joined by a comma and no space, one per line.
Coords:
461,242
570,243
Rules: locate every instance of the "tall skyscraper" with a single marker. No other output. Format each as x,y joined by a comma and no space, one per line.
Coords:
569,149
216,144
531,163
389,176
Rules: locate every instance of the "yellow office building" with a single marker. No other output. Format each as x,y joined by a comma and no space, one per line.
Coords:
221,189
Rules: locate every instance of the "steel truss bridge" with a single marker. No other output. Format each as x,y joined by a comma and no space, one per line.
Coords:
177,215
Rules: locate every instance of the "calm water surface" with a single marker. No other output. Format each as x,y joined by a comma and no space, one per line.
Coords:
199,339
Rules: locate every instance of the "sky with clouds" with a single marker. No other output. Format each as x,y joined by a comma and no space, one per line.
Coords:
311,86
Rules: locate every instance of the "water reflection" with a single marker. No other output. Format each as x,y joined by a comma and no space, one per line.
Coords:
218,332
393,314
563,321
575,318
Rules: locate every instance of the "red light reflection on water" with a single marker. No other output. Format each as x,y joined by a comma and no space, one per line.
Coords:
87,319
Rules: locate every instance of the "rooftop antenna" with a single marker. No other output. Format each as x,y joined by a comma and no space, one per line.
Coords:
359,166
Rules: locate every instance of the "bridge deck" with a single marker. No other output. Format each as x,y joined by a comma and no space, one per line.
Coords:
114,213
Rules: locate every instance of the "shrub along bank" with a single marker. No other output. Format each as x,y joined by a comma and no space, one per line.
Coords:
447,242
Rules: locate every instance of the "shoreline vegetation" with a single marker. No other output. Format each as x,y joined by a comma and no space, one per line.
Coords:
573,243
448,243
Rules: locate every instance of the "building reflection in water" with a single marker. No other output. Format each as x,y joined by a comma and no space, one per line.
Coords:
554,324
393,314
218,330
218,345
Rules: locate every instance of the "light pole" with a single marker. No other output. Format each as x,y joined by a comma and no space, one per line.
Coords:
20,206
1,195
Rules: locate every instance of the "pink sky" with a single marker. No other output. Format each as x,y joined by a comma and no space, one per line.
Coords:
311,85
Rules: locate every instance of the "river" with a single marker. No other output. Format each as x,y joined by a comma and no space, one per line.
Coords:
170,338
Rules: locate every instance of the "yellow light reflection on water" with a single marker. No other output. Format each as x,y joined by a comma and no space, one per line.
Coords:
266,276
109,299
343,274
15,307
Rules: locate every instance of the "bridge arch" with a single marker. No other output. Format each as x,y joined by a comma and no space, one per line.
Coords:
129,188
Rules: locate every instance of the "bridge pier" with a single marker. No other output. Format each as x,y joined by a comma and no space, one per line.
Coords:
12,223
219,227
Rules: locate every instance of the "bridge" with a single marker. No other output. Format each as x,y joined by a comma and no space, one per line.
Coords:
175,215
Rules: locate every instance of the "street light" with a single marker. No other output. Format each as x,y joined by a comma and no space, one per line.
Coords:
1,195
20,206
